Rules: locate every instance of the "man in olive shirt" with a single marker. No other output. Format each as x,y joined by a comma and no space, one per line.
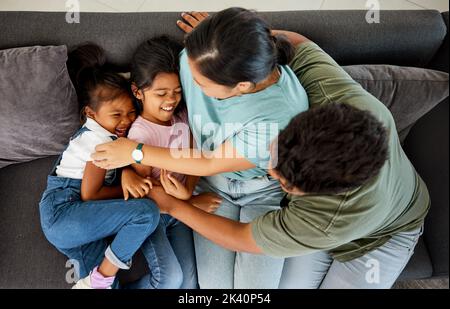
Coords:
350,231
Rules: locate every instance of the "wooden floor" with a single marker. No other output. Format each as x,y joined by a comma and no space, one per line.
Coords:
422,284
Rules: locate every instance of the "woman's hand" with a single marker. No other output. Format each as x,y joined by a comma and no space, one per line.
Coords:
173,187
134,184
208,202
191,20
114,154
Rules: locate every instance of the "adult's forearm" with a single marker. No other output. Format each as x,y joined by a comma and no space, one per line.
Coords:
188,161
224,232
191,182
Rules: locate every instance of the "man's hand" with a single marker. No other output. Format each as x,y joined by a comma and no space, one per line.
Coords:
227,233
208,202
191,20
162,199
134,184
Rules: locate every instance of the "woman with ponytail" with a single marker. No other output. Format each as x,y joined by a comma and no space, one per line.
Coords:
84,204
240,94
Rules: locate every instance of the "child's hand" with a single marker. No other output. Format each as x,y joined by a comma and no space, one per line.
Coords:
173,187
134,184
208,202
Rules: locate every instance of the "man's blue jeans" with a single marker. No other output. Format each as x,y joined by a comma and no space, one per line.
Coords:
377,269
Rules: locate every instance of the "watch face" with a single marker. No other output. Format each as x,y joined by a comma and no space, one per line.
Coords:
137,155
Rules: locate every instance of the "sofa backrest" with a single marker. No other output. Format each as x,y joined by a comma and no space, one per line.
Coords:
402,37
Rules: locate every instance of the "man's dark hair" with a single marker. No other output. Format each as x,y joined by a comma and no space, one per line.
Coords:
331,149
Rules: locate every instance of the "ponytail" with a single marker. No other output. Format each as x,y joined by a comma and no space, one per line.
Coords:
94,81
285,50
84,57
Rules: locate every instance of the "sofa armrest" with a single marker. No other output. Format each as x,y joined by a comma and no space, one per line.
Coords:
427,146
440,60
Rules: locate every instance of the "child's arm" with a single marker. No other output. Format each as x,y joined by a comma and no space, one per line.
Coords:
142,170
92,185
191,183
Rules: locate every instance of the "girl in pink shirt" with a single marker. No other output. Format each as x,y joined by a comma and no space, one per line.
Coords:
163,123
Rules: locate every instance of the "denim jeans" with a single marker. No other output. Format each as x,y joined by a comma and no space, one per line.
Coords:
170,255
243,201
378,269
79,229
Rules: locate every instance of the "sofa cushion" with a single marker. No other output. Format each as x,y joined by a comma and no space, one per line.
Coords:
38,104
408,92
28,260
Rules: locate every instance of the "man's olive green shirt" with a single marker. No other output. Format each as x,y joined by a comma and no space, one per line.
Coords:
350,224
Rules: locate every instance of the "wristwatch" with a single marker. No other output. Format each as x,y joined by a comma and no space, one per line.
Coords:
137,154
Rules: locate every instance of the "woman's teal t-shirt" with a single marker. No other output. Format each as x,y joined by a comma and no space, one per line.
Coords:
250,121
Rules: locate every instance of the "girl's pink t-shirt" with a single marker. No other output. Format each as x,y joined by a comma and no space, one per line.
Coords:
176,136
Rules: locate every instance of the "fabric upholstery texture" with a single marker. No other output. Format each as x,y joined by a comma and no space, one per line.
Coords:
38,104
408,92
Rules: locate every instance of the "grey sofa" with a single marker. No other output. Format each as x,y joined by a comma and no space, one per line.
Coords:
412,38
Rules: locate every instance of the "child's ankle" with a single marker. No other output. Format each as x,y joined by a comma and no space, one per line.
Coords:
98,281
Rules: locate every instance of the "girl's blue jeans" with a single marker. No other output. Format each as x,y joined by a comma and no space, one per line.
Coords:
170,255
79,229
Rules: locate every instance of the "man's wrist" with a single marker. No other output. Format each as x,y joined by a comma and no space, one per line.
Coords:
175,207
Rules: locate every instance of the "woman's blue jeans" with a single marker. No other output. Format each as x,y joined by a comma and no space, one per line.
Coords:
219,268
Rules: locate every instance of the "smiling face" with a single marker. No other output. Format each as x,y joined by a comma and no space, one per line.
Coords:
116,116
161,99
